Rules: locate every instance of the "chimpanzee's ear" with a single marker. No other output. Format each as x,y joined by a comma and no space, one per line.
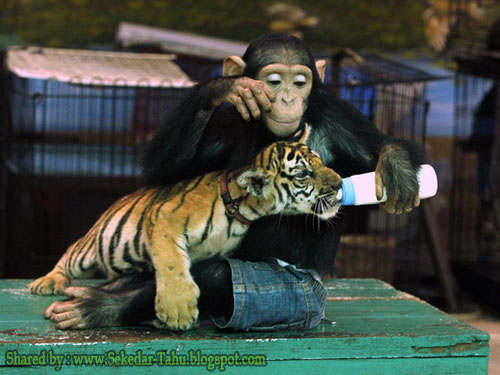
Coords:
233,66
321,68
255,181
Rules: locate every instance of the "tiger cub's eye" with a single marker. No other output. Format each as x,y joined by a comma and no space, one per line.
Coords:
302,174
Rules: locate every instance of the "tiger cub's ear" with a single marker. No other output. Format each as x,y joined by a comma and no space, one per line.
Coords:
255,181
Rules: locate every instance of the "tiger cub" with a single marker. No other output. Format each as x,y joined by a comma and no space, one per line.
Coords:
166,228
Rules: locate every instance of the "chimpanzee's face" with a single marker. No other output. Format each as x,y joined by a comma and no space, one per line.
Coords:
292,85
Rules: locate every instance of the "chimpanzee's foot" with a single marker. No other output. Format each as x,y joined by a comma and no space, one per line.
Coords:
91,308
67,314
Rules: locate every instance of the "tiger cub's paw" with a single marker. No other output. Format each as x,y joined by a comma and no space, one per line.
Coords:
51,283
177,307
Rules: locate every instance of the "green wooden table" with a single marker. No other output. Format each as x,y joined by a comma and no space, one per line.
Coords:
371,329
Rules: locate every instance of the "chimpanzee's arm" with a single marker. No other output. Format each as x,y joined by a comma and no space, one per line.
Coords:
176,142
397,162
201,135
376,142
351,144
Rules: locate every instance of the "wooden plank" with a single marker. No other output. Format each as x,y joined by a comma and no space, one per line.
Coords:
376,324
442,366
361,289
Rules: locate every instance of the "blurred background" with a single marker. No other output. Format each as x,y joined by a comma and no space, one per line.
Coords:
84,84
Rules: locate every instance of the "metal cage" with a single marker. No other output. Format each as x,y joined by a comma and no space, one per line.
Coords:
393,96
470,21
474,221
76,126
475,201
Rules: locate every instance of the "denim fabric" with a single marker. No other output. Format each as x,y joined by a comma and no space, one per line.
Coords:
273,295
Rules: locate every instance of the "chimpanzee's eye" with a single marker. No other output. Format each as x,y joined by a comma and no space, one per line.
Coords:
274,79
300,80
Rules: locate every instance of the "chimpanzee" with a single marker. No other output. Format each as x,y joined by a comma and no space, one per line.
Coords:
268,94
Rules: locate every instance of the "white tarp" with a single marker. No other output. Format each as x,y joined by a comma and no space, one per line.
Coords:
181,43
97,68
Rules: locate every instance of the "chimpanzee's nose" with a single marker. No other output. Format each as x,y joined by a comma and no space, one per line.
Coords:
287,97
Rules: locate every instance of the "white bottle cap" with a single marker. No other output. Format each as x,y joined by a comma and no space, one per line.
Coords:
428,181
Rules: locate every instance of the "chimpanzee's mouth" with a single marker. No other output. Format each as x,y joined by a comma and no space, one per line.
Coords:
282,127
286,122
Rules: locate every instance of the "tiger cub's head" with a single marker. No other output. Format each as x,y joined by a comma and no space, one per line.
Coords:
293,179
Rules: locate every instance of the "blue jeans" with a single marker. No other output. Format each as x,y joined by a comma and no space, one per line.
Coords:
273,295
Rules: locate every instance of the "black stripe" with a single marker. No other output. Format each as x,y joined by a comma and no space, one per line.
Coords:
126,254
102,226
138,232
270,158
81,248
180,246
276,187
145,254
139,227
290,195
69,263
256,212
74,257
305,193
283,174
87,249
183,198
186,224
209,224
116,238
298,157
259,160
230,223
163,200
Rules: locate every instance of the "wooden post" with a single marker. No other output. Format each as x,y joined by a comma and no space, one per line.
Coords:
440,256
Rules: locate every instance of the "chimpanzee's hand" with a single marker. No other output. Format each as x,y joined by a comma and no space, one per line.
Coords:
249,96
395,172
